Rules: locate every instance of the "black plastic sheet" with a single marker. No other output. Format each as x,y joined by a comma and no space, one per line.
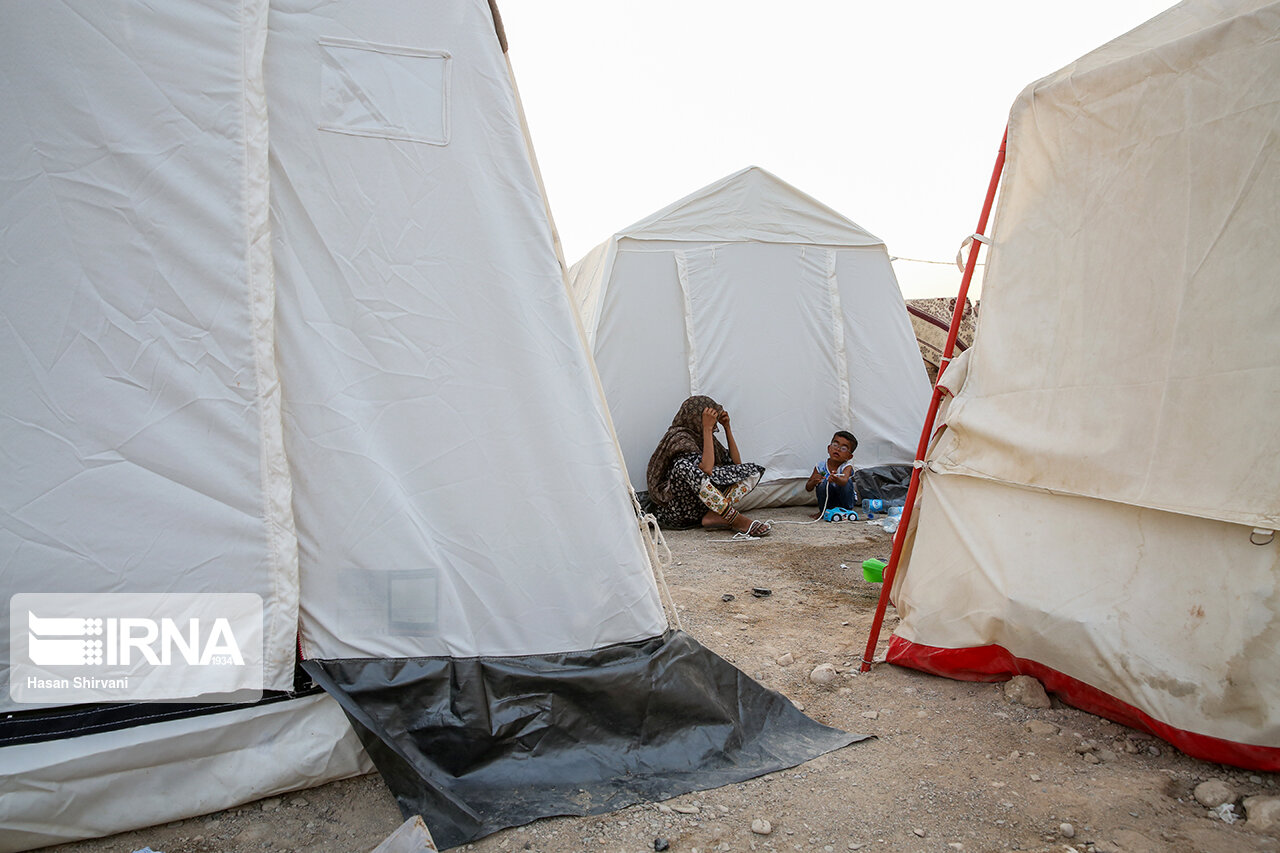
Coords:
480,744
887,482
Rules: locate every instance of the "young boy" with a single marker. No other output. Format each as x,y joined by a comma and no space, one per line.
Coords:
833,479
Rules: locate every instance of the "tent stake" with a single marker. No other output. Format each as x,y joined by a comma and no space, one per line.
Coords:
890,571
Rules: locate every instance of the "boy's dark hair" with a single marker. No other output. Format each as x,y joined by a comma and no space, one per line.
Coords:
847,436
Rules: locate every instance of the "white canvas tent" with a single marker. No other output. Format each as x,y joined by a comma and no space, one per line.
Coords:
280,292
1099,511
783,310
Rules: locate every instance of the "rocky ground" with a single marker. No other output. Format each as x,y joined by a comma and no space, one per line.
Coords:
952,766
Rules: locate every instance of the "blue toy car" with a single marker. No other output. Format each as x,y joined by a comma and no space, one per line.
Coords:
837,513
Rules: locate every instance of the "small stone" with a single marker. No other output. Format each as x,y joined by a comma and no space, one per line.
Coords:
1091,758
786,659
871,715
1107,755
686,809
1041,727
660,844
299,802
853,845
1067,830
1213,793
728,596
1263,813
271,804
1086,746
1034,777
1153,750
760,826
1027,691
253,834
664,808
919,833
823,673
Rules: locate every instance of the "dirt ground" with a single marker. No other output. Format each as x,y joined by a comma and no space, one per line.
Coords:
953,765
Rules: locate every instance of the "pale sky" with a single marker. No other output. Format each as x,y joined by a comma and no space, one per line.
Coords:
890,112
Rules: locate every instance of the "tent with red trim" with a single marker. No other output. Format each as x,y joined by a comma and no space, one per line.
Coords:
1098,508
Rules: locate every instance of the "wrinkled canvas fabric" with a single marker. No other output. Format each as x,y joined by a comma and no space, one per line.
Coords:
1129,310
1090,506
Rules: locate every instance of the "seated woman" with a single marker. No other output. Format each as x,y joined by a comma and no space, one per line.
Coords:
694,479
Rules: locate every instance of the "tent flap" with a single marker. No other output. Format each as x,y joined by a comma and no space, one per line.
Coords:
139,407
430,362
609,728
1129,307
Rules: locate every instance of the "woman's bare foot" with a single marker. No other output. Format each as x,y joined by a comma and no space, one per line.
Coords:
735,521
731,520
743,524
715,521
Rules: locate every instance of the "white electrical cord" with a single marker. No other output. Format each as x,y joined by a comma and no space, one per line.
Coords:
742,537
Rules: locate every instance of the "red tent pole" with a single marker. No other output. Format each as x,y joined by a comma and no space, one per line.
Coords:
970,265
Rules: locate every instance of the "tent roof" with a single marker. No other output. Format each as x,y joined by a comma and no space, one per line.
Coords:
1166,44
751,205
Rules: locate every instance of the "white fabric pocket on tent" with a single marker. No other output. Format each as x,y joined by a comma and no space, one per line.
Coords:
385,91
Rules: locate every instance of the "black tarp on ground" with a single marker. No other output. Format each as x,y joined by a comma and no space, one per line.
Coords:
480,744
887,482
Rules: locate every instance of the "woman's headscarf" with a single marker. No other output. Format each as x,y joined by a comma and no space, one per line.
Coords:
684,436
